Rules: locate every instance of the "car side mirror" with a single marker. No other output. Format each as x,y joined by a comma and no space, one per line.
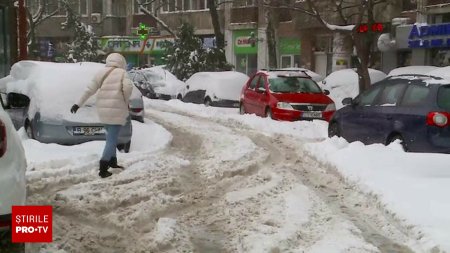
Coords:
326,92
347,101
261,90
17,100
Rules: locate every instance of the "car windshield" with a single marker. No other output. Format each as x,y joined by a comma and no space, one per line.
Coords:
283,84
444,97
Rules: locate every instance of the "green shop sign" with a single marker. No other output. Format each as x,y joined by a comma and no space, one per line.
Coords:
289,46
152,45
242,44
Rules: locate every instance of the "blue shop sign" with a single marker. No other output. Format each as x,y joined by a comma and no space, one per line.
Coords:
429,36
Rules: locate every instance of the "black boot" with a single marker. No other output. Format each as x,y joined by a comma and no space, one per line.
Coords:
113,163
104,166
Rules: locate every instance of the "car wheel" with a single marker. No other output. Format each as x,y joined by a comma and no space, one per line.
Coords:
124,147
241,109
207,102
269,113
333,130
402,141
29,129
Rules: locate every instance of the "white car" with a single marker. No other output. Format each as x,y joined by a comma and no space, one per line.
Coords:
165,85
222,89
344,83
12,170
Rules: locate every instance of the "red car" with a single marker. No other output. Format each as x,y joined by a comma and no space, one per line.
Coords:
285,95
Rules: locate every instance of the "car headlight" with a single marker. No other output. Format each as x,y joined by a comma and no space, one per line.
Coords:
285,106
330,107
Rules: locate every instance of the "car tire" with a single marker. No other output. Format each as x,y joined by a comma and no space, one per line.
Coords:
29,129
125,147
207,102
242,109
400,138
269,113
334,130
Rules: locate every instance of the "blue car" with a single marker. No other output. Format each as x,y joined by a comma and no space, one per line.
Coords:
414,109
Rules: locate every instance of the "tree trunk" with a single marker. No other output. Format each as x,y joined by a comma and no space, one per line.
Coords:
272,44
362,45
220,41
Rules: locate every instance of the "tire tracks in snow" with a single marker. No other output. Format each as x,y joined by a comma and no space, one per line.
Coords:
378,226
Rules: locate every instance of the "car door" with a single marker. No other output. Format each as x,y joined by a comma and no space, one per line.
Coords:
384,112
262,98
355,122
250,95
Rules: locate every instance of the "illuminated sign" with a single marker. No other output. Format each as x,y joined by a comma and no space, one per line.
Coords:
429,36
375,27
132,44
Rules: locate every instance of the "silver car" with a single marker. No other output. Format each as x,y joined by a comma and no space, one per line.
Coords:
38,96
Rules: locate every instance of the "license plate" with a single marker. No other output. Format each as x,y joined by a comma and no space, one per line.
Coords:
312,115
88,131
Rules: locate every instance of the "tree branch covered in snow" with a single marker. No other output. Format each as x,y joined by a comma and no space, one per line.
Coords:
158,20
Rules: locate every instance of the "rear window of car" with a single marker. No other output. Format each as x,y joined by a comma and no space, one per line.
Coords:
415,95
283,84
443,99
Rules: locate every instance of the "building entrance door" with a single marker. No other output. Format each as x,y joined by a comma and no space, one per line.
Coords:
320,66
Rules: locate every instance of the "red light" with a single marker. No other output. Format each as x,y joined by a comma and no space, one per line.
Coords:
375,27
136,109
439,119
363,28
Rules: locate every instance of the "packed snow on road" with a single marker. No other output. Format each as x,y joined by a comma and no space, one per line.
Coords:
204,179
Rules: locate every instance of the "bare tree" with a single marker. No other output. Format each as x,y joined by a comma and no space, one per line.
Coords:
143,6
36,16
346,16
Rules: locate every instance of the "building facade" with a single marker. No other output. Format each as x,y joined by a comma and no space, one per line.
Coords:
8,36
421,37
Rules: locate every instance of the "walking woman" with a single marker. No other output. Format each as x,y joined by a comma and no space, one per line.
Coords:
114,91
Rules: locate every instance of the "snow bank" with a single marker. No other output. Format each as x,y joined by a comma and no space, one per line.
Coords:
413,185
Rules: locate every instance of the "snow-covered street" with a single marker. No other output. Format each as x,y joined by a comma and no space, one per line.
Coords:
204,179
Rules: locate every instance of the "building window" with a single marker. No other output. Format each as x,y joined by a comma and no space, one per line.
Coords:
83,7
52,6
244,3
137,10
118,8
409,5
184,5
97,6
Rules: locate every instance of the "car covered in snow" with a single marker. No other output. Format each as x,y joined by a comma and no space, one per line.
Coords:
142,83
164,84
215,88
39,96
344,83
411,70
285,95
12,170
413,109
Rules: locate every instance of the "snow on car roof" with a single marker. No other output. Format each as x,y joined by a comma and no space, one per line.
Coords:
53,87
412,70
225,84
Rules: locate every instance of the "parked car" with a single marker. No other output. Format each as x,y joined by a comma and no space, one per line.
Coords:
12,170
345,83
215,88
285,95
412,70
136,105
142,83
414,109
39,96
165,84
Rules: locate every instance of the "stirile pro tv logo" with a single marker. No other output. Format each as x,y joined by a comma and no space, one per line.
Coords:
31,224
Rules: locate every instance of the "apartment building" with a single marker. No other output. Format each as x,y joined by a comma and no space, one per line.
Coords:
8,36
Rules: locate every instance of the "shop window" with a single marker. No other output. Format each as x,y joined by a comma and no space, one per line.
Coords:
83,7
246,63
440,57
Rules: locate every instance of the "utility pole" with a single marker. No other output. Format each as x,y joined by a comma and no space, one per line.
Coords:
22,31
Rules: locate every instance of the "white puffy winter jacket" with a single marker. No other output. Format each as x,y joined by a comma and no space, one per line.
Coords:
113,94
